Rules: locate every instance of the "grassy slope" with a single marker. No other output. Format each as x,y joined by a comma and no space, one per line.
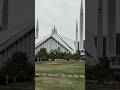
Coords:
59,83
53,83
60,67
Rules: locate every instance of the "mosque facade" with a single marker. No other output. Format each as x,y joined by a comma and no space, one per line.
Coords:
56,41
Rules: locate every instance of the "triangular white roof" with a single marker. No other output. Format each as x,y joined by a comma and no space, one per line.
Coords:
64,41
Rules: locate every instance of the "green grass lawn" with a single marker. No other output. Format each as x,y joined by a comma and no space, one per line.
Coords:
59,83
61,67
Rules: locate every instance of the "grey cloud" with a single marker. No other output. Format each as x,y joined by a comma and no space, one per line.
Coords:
61,13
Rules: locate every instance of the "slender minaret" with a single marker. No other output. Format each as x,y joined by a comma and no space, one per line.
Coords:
5,15
111,28
54,31
81,27
76,35
37,30
100,29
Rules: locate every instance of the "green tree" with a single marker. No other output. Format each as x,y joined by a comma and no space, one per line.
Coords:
42,54
67,56
18,66
52,55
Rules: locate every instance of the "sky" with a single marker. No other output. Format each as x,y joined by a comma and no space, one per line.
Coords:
59,13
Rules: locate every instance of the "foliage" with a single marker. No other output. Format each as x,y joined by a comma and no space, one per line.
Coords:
60,83
72,67
67,56
100,70
17,66
115,73
42,54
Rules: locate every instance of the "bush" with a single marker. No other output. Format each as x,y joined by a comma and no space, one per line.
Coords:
2,80
43,55
10,80
100,70
17,67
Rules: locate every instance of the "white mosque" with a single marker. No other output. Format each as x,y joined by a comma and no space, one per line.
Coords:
56,41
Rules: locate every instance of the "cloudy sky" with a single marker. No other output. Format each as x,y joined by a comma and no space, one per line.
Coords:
60,13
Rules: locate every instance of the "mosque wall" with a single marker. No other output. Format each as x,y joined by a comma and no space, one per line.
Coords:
51,44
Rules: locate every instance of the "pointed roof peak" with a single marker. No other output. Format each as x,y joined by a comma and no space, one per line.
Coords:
54,30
